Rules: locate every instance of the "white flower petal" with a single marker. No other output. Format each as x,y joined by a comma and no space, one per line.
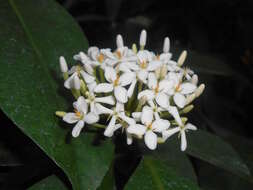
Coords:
160,125
179,100
147,115
69,83
190,126
70,118
148,93
165,85
136,116
129,139
168,133
130,90
126,78
103,87
137,129
152,81
107,100
77,129
162,99
142,75
91,118
120,94
153,65
174,112
127,119
102,109
183,141
188,88
119,107
110,128
87,78
81,105
110,74
150,140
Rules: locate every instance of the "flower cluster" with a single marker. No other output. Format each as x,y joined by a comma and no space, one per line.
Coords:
143,93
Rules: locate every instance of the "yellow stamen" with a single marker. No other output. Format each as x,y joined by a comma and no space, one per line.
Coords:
143,65
157,89
118,54
100,58
178,88
149,127
77,113
116,81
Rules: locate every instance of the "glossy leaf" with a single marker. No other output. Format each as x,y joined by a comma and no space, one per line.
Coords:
212,149
49,183
156,174
33,35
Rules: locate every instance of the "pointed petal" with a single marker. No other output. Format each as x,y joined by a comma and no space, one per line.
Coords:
107,100
142,75
130,90
165,85
110,74
152,81
160,125
69,84
148,93
179,100
120,94
110,128
147,115
136,129
127,119
168,133
174,112
162,100
87,78
103,87
70,118
81,105
119,107
91,118
190,126
126,78
136,116
77,129
150,140
153,65
183,141
102,109
188,88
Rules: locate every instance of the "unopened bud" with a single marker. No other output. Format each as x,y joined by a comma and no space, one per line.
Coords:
77,84
60,113
195,79
164,71
63,65
199,90
190,99
143,39
166,45
187,109
158,72
119,41
134,48
143,100
182,58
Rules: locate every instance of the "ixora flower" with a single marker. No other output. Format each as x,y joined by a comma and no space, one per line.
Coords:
136,90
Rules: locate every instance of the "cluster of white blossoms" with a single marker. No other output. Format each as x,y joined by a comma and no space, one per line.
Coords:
141,92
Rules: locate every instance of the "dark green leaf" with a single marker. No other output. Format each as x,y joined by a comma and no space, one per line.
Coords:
155,174
212,149
49,183
33,35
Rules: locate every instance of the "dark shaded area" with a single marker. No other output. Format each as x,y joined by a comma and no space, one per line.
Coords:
215,28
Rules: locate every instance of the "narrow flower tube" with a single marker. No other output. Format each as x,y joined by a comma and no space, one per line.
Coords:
199,90
182,58
143,39
63,65
166,45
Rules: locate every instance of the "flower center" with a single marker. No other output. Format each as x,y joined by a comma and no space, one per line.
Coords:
178,88
149,126
116,81
156,88
143,64
78,70
100,58
77,113
118,54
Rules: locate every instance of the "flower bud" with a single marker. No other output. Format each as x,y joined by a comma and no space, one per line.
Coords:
143,38
143,100
164,71
158,72
60,113
63,65
187,109
166,45
134,48
190,98
194,79
119,41
181,58
77,83
199,90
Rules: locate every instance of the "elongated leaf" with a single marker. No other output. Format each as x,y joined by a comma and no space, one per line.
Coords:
155,174
49,183
33,35
211,148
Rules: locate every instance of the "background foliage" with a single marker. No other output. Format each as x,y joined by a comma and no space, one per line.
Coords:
42,156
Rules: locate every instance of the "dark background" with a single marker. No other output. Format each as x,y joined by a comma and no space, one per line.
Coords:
219,30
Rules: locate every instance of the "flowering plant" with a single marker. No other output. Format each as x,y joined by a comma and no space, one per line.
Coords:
138,91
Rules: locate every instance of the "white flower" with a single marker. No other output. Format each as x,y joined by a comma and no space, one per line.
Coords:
157,90
180,89
97,56
85,60
63,65
117,115
149,127
116,84
143,38
181,129
80,116
79,72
